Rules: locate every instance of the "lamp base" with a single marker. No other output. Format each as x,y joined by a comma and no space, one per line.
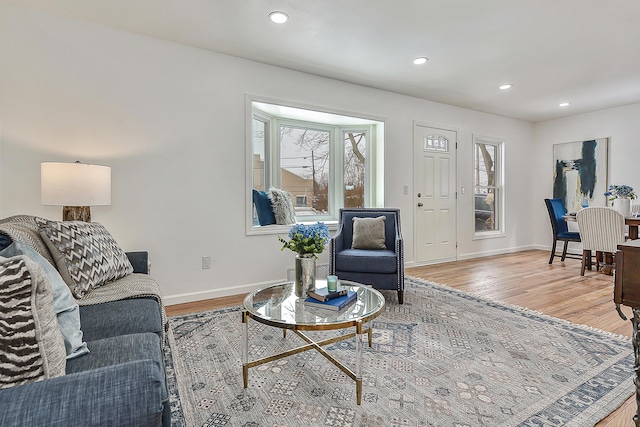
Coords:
76,213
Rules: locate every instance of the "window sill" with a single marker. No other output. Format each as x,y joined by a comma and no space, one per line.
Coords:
488,235
284,229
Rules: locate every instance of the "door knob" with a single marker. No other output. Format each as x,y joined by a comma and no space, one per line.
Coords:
420,205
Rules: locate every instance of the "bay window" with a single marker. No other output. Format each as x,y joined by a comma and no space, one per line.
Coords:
325,161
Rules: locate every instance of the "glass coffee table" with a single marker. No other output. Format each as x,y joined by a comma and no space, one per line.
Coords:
278,306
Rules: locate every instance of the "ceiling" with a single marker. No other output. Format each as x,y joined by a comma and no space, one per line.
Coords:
586,52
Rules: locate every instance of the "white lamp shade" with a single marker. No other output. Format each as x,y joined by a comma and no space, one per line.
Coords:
75,184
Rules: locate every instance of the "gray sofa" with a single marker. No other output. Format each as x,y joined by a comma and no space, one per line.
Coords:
121,380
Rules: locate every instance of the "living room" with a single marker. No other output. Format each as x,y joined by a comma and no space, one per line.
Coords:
170,121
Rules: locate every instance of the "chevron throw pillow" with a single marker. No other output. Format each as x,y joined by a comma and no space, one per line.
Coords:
86,255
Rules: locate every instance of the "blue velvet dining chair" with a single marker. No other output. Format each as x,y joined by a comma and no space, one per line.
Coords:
560,229
380,265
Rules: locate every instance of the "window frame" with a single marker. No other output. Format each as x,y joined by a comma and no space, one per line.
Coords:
374,161
499,202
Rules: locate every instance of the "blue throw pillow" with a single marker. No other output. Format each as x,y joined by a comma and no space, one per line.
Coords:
263,208
64,305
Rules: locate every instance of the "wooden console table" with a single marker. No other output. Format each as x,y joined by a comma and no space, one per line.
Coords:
627,292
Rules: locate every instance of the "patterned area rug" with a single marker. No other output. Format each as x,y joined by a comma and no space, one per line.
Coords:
444,358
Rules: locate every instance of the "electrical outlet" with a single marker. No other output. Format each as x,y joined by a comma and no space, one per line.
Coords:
206,262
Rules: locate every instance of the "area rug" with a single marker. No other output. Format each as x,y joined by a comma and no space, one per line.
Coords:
444,358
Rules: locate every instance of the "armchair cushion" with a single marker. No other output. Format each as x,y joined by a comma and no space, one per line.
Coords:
368,233
369,260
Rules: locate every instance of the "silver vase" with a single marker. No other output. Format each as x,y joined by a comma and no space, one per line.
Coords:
305,276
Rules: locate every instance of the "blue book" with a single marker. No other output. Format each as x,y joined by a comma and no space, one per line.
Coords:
334,304
323,294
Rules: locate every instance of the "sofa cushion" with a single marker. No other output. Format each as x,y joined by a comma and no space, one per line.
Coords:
114,318
136,354
32,345
133,285
371,261
118,349
65,307
368,233
86,255
263,208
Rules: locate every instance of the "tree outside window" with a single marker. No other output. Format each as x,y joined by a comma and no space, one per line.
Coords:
487,185
324,161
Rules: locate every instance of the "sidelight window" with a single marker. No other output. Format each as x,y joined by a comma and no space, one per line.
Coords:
488,186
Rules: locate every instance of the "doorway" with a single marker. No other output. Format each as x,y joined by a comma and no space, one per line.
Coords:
435,155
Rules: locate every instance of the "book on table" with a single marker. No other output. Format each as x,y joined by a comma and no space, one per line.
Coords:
334,304
323,294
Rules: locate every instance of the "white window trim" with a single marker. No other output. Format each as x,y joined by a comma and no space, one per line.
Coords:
374,167
499,143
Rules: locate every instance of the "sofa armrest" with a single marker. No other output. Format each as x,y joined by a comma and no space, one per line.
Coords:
127,394
140,261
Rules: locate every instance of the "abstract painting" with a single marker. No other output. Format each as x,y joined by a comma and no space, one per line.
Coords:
580,172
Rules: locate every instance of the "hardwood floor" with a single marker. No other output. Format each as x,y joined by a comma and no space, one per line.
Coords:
525,279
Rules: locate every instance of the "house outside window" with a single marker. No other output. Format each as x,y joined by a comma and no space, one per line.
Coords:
488,196
325,161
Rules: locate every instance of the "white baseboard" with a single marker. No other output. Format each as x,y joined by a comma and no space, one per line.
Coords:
245,289
214,293
321,272
472,255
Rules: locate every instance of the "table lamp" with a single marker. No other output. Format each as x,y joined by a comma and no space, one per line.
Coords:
76,187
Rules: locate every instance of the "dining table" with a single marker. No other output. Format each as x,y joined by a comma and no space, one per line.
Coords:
633,223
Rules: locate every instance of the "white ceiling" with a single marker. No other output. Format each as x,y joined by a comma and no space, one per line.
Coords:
586,52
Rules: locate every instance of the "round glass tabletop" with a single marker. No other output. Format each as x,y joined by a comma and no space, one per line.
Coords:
277,305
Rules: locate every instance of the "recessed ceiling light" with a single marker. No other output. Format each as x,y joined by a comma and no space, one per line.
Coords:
420,60
505,86
279,17
564,104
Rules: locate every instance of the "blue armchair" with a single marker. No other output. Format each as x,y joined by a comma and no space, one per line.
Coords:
381,268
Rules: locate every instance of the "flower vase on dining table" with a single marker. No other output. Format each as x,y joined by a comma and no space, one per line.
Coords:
623,205
305,276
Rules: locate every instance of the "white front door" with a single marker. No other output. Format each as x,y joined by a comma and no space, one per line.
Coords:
435,194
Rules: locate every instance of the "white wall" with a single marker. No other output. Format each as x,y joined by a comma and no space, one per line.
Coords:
169,120
621,125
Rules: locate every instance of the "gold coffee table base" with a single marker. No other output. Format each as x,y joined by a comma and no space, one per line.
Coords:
278,305
357,377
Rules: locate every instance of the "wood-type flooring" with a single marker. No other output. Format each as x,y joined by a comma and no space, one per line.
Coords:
524,279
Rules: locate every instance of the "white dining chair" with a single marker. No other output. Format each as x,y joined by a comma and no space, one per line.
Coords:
601,230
